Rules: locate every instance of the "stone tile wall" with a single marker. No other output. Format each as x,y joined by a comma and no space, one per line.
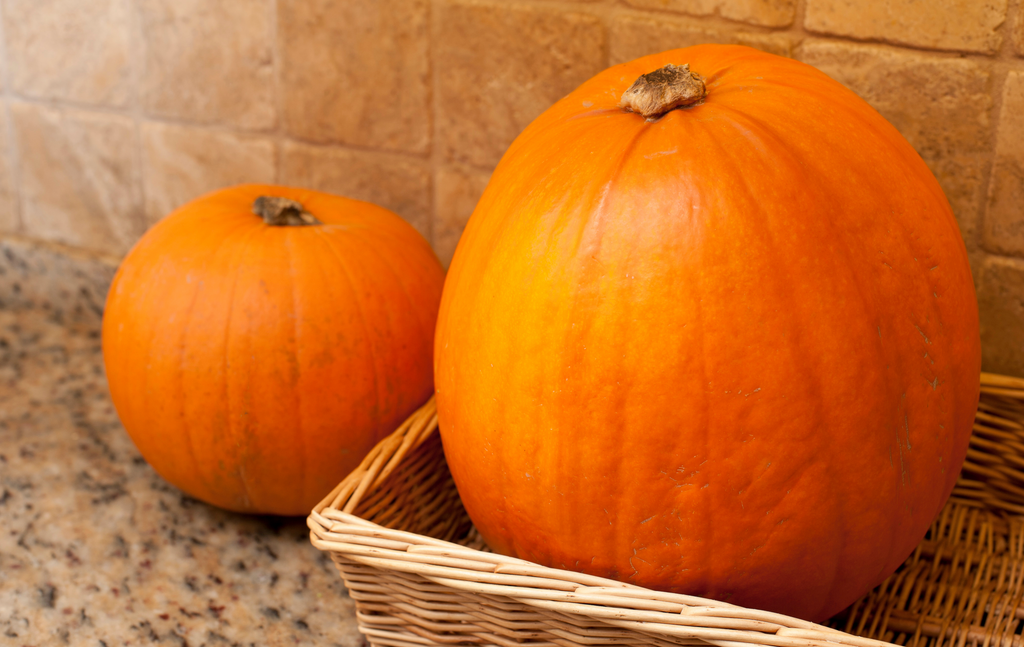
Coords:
114,112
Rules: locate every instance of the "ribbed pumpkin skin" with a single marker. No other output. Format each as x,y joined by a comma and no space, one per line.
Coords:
254,366
733,352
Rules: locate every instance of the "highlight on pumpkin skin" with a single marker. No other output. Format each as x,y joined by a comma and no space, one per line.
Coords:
664,89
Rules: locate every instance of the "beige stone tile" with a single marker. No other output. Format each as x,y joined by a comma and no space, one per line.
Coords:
395,182
1001,308
209,62
962,177
356,72
964,25
770,13
941,105
458,190
633,36
69,49
9,220
1003,228
79,177
183,162
500,65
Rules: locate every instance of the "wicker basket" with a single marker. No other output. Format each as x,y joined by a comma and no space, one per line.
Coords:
420,575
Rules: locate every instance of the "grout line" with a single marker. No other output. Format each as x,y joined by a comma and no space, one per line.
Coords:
276,134
797,29
136,43
276,53
935,54
12,152
346,148
1007,29
433,150
437,159
607,14
904,47
134,112
1015,261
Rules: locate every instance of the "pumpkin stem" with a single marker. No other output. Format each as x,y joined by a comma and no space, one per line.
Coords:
282,212
657,92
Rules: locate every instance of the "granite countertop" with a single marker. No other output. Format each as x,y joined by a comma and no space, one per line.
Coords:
96,549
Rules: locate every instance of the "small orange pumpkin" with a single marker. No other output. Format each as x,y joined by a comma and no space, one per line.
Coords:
254,361
728,349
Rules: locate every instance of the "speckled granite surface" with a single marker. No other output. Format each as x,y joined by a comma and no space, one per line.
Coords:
95,548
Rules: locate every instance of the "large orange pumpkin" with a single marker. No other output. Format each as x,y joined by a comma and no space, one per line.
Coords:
729,350
255,364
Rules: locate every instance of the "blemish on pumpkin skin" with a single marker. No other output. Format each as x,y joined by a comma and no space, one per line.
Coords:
926,340
903,469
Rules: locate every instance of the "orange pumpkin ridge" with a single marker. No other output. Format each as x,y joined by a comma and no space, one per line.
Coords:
254,362
729,350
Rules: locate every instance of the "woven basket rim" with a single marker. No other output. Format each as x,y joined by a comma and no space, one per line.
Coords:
618,603
335,528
